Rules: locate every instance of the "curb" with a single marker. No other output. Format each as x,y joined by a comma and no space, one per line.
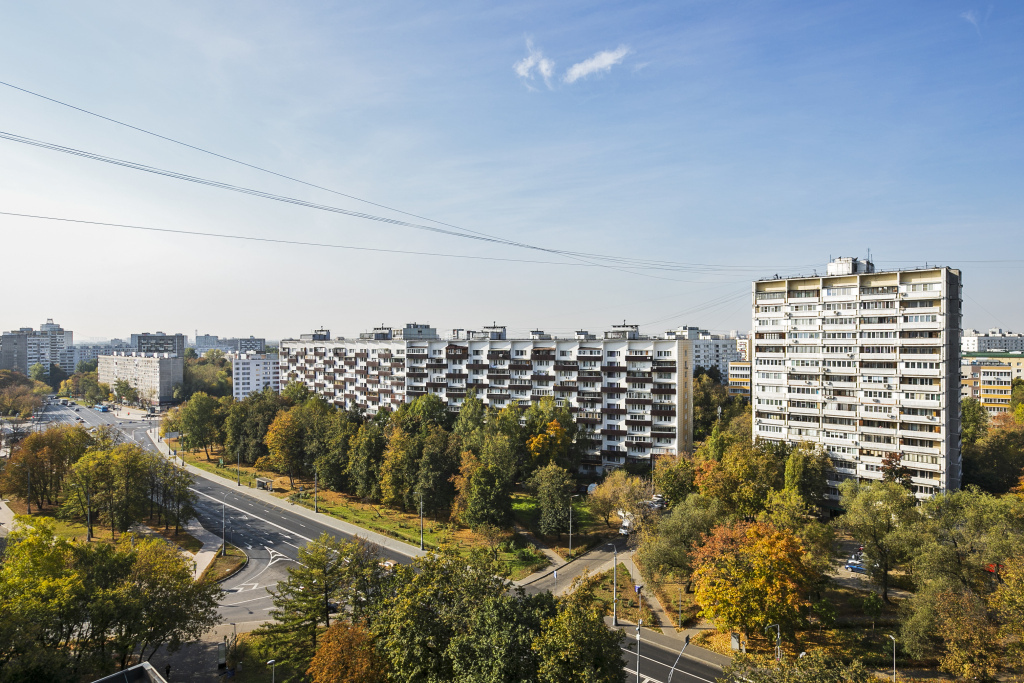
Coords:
238,568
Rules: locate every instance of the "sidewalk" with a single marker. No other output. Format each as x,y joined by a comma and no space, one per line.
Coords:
6,519
270,499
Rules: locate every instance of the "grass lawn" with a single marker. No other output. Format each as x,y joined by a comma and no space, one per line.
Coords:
602,584
224,566
519,560
590,530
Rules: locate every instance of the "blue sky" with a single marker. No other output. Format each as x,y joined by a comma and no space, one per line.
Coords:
762,137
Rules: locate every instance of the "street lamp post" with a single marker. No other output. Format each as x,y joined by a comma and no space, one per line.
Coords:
615,586
686,642
778,640
420,493
639,623
316,503
273,669
238,468
893,658
575,495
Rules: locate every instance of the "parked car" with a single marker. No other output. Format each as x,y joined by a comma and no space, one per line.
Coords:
858,568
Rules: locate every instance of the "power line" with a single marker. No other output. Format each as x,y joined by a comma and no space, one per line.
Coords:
620,260
283,241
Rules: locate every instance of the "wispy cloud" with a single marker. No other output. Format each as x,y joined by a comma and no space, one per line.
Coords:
971,17
535,61
602,61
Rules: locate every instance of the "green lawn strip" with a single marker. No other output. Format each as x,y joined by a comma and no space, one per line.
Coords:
380,520
224,566
626,598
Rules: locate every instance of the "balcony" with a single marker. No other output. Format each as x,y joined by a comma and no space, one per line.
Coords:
542,378
613,368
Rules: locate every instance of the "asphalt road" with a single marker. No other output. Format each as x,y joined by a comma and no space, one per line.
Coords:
272,536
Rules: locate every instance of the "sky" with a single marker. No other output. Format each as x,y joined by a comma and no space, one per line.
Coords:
725,141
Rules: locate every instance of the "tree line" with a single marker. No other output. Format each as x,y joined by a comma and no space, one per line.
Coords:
20,396
342,615
97,477
465,465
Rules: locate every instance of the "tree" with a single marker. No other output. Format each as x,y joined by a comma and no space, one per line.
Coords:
745,474
365,456
806,471
973,420
1008,601
669,547
399,470
550,446
328,570
972,647
346,655
872,607
880,515
70,607
285,441
575,645
247,423
996,461
37,372
86,366
751,575
198,422
553,486
894,471
673,477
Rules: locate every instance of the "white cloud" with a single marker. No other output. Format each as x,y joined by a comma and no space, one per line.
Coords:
602,61
535,60
971,17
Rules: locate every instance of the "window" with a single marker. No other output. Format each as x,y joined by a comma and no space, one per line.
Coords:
923,287
920,303
920,318
839,291
803,293
765,296
877,394
888,289
522,352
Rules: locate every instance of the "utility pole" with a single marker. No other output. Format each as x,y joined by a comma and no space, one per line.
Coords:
615,586
316,504
576,495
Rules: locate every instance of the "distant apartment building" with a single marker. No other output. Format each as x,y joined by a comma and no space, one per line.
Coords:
864,363
153,375
743,347
253,372
1012,359
989,382
710,350
632,391
77,353
995,339
739,379
21,349
158,342
209,342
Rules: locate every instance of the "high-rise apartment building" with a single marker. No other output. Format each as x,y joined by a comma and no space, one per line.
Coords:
864,363
254,372
159,342
631,390
207,342
21,349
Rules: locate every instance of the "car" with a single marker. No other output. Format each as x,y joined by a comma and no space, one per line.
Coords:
858,568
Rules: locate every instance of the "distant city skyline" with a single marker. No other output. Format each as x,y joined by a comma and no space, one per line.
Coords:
708,144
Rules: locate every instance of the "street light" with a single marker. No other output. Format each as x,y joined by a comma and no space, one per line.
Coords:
686,642
893,658
778,640
273,669
575,495
639,623
420,494
615,585
316,503
223,525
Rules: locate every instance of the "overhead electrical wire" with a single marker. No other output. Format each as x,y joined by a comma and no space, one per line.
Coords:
613,263
648,263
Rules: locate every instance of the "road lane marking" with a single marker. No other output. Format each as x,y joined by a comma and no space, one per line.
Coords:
308,540
667,666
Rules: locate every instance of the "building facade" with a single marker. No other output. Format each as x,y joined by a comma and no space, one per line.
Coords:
1012,359
987,381
710,350
21,349
974,341
159,342
865,364
77,353
739,379
209,342
632,391
254,372
153,375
